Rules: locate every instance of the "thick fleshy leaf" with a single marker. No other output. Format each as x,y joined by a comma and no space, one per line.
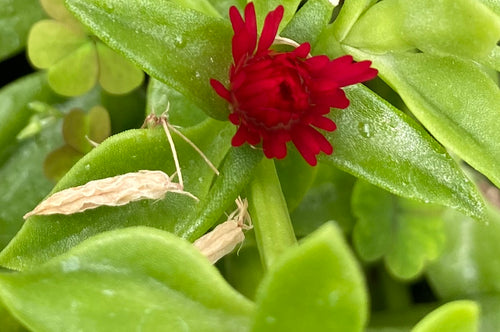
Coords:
130,151
222,6
9,323
328,199
22,180
494,5
454,99
50,41
309,21
263,7
457,316
467,265
14,104
180,47
460,27
490,307
77,73
16,18
406,234
203,6
116,74
378,143
317,286
296,176
348,16
135,279
181,112
379,29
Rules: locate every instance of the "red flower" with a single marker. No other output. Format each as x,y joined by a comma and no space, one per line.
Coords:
277,97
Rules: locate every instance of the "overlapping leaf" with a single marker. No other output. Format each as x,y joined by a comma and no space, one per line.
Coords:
136,278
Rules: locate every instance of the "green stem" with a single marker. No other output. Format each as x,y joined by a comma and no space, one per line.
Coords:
269,212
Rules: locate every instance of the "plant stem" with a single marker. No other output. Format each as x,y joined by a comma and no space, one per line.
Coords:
269,212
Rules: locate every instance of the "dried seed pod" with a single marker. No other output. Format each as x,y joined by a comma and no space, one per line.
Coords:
113,191
226,236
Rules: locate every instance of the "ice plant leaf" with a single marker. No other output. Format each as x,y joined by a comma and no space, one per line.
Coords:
126,152
380,29
59,161
386,224
167,41
456,316
115,279
465,28
263,7
16,18
460,106
14,104
309,21
465,267
317,286
23,174
373,137
348,16
281,97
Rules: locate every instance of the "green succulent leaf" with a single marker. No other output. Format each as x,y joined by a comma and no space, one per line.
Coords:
243,270
380,144
379,29
454,99
22,180
16,18
9,323
317,286
51,41
263,7
134,150
203,6
181,112
167,41
329,198
115,279
348,16
295,176
407,234
466,265
457,316
309,21
116,74
77,73
15,98
459,27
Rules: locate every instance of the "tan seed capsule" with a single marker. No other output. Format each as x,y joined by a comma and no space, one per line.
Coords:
113,191
226,236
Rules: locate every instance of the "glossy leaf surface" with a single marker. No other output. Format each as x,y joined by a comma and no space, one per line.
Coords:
127,152
316,286
167,41
378,143
454,99
457,316
16,18
115,279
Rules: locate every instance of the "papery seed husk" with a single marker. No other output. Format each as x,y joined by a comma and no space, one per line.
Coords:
113,191
220,241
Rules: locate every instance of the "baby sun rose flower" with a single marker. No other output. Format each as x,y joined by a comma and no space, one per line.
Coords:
277,97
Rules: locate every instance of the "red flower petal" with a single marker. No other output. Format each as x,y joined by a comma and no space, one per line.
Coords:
270,29
220,89
277,97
